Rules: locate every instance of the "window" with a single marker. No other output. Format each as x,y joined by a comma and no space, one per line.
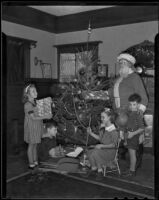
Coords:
72,57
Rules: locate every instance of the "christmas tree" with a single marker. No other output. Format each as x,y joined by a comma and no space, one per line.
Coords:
81,101
78,108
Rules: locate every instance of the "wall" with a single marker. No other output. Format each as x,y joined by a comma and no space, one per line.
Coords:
44,50
115,39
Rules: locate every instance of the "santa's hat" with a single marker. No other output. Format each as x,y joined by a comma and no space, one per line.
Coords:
127,57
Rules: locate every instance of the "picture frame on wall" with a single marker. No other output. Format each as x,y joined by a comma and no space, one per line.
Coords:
103,70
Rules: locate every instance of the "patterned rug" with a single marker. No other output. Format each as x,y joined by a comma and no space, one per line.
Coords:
53,184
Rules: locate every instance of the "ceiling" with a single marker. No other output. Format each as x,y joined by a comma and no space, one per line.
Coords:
66,10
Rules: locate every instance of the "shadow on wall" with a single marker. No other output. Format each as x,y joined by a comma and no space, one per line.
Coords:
15,137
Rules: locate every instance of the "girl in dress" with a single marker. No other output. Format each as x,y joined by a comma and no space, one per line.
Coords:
33,124
103,153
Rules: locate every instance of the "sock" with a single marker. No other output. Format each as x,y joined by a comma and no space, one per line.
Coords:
35,162
100,170
94,168
132,170
31,165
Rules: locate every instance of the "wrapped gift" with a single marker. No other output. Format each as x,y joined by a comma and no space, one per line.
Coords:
44,106
95,95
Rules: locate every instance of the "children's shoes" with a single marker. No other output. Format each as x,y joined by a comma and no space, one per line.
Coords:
99,176
130,174
92,173
31,166
36,163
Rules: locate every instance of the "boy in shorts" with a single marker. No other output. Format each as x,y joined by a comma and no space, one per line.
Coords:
135,127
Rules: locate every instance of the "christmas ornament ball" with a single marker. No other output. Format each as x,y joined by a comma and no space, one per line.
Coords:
122,119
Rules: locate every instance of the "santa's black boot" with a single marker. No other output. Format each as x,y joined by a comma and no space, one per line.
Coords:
122,151
139,156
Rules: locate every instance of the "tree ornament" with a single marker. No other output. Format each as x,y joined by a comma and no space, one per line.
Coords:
122,119
53,105
87,83
139,70
79,92
72,86
75,128
76,99
63,86
75,80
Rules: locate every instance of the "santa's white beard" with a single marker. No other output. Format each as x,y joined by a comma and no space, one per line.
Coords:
125,71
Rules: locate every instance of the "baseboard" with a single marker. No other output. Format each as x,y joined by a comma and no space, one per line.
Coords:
149,150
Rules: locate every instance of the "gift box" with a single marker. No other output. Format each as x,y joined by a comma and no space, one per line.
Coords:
44,106
95,95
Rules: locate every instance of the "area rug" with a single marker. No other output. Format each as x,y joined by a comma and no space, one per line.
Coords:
49,184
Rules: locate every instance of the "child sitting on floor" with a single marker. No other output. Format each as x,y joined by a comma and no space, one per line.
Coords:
135,127
48,146
104,152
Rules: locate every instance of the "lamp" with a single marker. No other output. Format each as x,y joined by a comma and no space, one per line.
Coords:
139,70
45,67
36,60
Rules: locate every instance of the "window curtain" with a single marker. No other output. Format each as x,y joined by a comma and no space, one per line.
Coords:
67,66
70,64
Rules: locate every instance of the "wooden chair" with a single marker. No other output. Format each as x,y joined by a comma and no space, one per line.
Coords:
115,161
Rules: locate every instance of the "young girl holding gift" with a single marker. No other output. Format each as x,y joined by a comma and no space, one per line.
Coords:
33,124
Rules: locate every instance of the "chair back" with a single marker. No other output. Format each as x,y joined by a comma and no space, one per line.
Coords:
117,168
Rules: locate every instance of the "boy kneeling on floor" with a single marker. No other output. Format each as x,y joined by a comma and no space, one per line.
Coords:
135,127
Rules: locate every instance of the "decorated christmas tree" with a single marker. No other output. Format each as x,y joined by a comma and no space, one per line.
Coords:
77,109
80,101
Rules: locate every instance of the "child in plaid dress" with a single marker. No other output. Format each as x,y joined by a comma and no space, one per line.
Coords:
33,124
